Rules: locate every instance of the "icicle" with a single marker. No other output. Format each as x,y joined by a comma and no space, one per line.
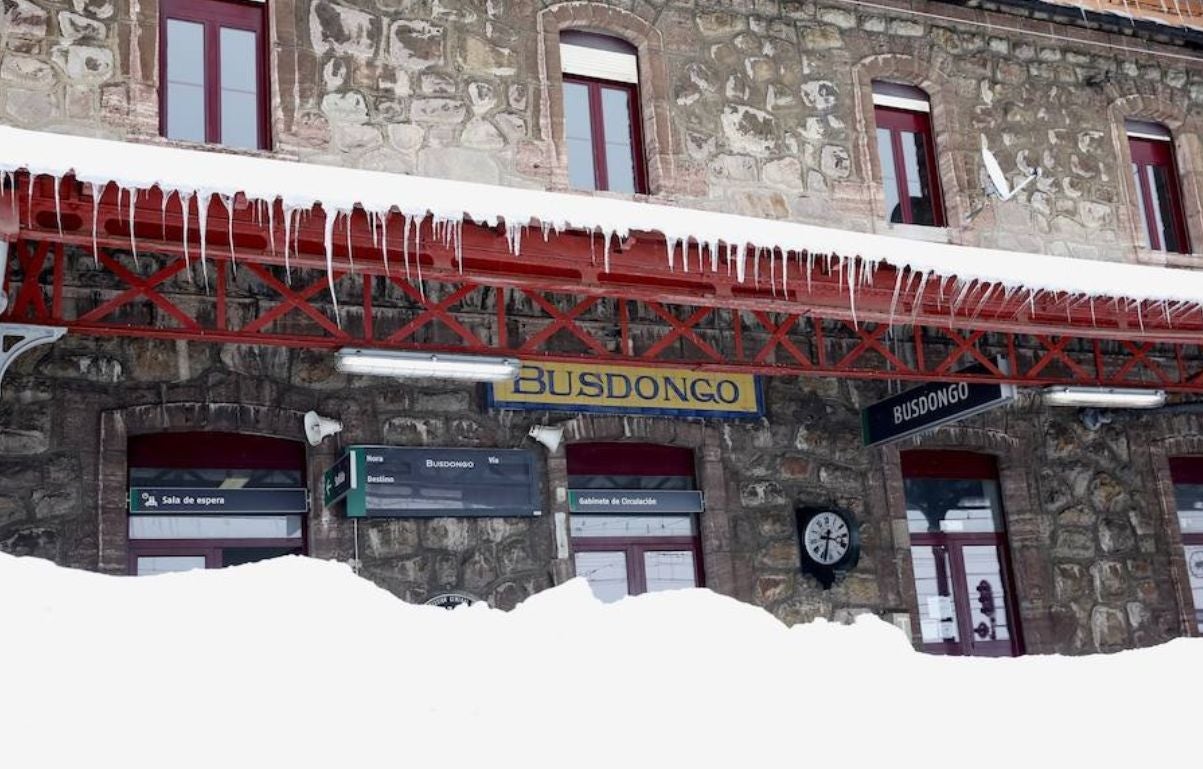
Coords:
29,201
96,193
773,270
287,212
671,245
897,291
839,275
405,244
328,242
756,268
458,234
202,219
384,239
185,202
918,297
810,268
58,208
714,249
418,257
163,198
229,206
741,267
606,251
350,250
271,227
852,290
372,226
133,243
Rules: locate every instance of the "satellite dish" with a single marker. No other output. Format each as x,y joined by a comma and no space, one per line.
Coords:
1001,186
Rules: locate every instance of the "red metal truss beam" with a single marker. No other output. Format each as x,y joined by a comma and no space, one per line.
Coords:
249,303
575,263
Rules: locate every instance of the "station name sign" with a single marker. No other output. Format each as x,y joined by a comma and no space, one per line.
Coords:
636,501
928,406
402,482
166,500
587,387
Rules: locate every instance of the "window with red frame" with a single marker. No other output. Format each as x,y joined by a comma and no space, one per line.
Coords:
601,113
959,554
212,74
1159,196
621,555
907,153
1187,474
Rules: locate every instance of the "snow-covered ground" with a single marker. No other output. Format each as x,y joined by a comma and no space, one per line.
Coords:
299,663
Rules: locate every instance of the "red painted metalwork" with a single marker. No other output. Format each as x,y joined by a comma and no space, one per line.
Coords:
639,311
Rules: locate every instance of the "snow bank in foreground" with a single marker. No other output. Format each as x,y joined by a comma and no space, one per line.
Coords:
730,242
299,663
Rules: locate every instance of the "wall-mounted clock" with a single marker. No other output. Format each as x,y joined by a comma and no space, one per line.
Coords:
829,542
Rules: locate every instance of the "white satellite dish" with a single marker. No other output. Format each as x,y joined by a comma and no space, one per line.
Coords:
1001,186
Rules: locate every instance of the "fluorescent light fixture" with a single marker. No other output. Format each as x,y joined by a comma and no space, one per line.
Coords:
1104,397
357,360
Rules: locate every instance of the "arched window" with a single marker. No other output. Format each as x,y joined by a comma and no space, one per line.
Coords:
959,553
907,153
601,112
1158,192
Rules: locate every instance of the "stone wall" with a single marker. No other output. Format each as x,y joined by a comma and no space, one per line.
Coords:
755,107
1095,553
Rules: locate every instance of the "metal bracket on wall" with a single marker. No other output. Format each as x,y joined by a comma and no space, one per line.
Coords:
26,338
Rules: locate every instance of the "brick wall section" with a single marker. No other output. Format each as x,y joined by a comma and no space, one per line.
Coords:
756,107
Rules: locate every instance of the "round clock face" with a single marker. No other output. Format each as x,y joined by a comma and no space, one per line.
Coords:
827,538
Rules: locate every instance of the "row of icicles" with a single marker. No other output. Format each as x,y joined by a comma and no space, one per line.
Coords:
448,231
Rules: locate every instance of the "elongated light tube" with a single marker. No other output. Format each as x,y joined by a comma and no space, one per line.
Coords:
393,363
1104,397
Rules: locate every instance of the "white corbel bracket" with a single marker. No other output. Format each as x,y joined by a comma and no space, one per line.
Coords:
27,337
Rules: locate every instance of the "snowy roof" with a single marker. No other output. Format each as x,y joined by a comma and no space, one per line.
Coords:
296,185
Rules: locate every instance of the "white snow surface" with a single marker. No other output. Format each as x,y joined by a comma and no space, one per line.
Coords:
195,174
299,663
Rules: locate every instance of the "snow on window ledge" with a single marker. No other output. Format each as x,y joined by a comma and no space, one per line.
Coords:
914,232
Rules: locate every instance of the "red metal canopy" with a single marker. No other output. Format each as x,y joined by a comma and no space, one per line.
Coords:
555,300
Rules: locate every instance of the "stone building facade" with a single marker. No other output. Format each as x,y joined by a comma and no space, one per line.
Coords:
757,107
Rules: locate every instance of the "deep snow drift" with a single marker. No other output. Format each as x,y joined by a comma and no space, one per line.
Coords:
299,663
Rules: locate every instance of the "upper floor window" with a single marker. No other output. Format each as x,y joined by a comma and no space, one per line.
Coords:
213,82
601,113
1157,190
907,154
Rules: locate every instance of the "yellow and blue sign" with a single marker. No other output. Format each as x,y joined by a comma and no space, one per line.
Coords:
590,388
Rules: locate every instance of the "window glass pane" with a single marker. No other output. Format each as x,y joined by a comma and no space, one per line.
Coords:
620,155
203,478
918,181
1140,206
669,570
952,506
1190,507
937,613
631,525
185,50
885,151
578,131
164,564
215,527
605,572
1163,211
984,586
239,95
1194,566
235,556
